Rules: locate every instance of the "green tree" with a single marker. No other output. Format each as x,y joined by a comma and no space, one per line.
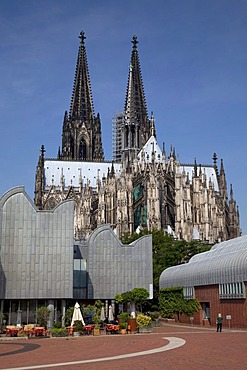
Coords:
127,296
139,296
97,310
167,252
128,238
118,298
68,316
42,316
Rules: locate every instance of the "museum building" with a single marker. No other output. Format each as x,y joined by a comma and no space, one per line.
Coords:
218,279
42,264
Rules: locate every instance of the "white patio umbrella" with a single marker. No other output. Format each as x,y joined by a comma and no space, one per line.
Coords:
102,314
110,317
77,315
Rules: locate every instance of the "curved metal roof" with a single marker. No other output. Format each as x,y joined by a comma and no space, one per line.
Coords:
226,262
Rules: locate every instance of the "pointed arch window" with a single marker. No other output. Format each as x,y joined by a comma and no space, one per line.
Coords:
72,148
133,136
83,150
126,144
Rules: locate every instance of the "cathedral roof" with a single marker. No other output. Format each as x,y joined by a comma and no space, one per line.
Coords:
150,147
72,171
208,171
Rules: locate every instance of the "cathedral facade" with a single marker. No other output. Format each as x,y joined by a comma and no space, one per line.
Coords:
143,187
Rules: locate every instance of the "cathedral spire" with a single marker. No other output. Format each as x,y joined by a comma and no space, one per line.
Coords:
231,193
222,181
153,131
81,107
215,164
137,125
40,179
81,139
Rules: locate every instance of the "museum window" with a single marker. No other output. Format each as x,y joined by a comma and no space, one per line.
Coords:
232,290
80,275
189,292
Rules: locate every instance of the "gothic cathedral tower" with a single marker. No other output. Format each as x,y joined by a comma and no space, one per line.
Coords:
136,131
81,138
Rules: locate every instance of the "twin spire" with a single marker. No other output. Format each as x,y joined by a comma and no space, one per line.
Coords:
81,139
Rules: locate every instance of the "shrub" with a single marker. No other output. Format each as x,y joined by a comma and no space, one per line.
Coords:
172,301
143,321
154,315
68,316
123,317
123,325
57,325
78,326
59,332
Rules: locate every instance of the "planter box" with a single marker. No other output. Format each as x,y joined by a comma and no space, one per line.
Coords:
65,334
146,329
132,325
96,331
155,323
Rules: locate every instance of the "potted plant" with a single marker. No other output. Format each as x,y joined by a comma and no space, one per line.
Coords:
155,318
123,317
96,329
123,327
96,320
144,323
123,322
96,317
77,328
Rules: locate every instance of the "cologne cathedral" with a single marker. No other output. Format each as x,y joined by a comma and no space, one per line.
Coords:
143,187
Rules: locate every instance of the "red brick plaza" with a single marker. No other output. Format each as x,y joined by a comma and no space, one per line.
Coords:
168,347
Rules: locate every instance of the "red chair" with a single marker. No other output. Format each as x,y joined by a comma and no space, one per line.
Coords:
108,328
39,331
111,329
11,331
88,329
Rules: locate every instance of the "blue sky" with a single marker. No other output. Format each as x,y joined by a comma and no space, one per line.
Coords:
193,58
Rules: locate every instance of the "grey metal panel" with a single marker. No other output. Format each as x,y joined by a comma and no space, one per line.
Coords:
36,255
226,262
115,268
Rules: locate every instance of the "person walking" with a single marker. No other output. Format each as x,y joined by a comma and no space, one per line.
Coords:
219,322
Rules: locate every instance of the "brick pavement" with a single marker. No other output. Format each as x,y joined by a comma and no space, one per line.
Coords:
204,349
